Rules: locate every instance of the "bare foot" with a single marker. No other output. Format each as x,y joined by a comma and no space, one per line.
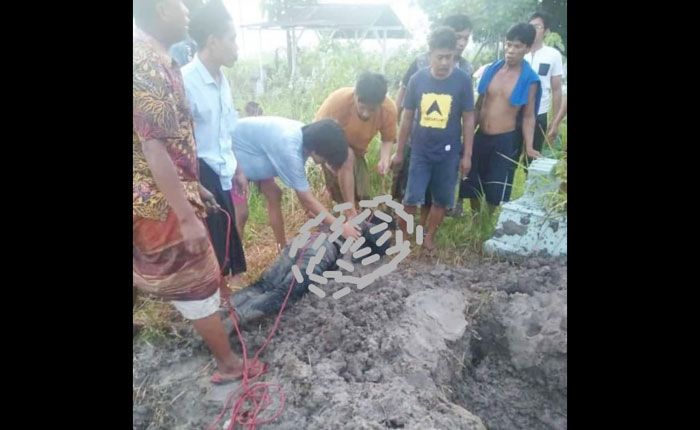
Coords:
231,375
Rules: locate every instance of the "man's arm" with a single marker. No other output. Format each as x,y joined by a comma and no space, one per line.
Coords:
190,91
384,157
167,180
388,134
412,69
556,93
404,134
477,109
467,107
468,136
240,181
553,128
346,176
529,123
346,181
399,99
312,205
155,120
556,81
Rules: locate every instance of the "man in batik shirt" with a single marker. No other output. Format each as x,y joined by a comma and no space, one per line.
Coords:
173,257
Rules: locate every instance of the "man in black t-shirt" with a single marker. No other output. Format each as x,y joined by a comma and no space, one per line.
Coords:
438,117
463,28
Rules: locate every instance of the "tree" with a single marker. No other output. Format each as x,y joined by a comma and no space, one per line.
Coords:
557,8
491,18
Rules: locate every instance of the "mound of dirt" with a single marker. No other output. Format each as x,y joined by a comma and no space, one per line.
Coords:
424,347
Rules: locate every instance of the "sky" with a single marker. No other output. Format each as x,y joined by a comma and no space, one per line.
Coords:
249,12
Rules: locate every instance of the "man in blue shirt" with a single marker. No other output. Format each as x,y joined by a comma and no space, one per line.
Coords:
440,98
268,146
209,96
183,51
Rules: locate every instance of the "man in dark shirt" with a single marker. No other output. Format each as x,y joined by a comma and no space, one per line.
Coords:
463,27
438,116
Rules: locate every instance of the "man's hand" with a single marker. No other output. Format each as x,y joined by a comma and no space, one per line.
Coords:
350,230
208,199
350,213
465,166
552,132
383,166
532,153
397,161
241,184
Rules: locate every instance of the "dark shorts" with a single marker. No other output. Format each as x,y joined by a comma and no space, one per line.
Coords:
440,177
400,179
494,160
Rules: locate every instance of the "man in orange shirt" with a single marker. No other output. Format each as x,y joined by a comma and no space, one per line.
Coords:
361,112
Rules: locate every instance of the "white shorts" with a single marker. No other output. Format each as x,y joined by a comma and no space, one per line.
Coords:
198,309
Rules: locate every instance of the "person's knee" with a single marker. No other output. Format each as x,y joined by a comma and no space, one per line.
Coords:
199,311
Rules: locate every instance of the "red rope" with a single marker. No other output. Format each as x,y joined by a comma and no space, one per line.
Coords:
251,400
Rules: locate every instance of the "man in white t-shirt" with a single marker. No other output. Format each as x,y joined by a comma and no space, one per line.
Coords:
547,63
553,130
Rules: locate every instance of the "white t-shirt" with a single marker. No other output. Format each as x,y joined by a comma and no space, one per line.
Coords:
563,81
546,62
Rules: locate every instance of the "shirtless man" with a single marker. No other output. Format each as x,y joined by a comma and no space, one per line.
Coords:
505,102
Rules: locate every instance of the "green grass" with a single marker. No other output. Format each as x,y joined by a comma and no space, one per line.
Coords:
322,71
460,239
157,320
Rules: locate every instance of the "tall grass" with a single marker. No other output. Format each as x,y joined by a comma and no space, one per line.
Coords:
321,71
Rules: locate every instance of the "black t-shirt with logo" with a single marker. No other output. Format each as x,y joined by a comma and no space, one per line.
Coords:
439,103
